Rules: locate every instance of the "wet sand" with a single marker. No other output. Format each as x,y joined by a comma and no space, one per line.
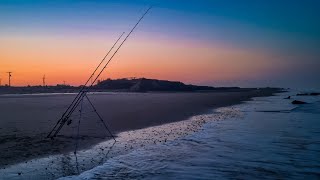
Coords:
25,120
67,164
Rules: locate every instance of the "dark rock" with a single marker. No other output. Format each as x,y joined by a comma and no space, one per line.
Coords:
302,94
298,102
308,94
288,97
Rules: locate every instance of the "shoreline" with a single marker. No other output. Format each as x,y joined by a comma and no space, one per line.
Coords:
247,134
66,145
102,91
67,165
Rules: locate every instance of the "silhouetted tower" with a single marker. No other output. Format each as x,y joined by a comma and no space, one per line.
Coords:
44,80
9,74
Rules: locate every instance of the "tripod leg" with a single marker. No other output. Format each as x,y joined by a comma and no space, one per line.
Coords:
104,124
77,138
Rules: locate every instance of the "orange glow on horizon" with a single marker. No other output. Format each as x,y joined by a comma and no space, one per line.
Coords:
73,59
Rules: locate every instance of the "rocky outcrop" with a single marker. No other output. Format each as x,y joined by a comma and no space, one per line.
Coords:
298,102
309,94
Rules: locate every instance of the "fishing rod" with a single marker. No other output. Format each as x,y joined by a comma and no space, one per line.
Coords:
84,92
125,39
92,83
65,117
83,87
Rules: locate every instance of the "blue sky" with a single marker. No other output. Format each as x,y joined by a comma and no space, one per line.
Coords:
288,28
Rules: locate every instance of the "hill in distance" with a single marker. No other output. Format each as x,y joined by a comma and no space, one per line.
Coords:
145,85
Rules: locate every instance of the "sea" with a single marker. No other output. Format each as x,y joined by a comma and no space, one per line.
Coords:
266,138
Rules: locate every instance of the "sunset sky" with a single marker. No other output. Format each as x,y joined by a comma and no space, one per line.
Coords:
218,43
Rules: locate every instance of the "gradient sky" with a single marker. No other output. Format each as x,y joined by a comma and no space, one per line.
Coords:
229,43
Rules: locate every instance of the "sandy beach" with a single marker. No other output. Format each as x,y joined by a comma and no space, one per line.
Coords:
27,119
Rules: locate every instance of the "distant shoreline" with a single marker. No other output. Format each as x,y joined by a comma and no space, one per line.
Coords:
39,90
24,91
117,85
